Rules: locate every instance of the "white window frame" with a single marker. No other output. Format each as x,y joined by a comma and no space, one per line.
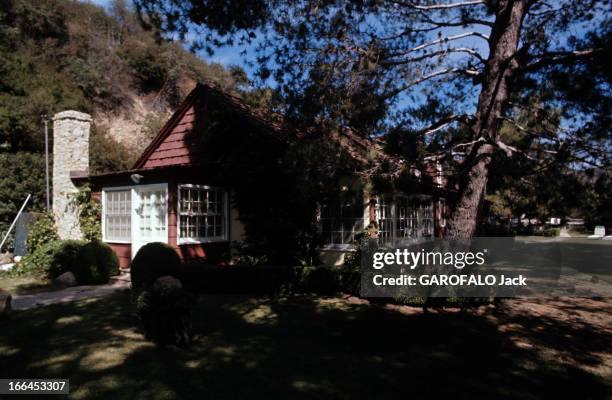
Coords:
442,212
189,240
105,190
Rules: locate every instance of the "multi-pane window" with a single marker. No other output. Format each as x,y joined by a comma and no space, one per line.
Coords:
407,219
342,220
202,213
403,219
384,220
117,215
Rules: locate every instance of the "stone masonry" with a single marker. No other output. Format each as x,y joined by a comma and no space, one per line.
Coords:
70,153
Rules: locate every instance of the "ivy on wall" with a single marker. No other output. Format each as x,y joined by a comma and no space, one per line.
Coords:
90,214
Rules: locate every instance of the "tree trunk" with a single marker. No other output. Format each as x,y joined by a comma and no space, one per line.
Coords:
499,69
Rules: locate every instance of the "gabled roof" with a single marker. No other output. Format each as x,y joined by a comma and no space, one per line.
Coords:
270,123
367,152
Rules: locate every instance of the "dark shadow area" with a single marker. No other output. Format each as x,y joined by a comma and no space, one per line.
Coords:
309,347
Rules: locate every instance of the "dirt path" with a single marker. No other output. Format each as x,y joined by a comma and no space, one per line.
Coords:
25,302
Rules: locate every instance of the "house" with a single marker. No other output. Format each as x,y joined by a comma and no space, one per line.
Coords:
217,174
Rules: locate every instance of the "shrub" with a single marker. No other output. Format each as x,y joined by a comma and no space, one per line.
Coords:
236,279
39,261
65,258
42,231
152,261
165,313
349,278
323,280
96,263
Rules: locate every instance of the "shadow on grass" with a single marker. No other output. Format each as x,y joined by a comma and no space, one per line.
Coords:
27,285
300,348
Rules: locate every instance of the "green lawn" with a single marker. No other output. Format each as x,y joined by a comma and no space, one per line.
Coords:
26,284
319,348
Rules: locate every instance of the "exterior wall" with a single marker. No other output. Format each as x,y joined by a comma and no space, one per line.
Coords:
123,252
216,252
70,153
175,149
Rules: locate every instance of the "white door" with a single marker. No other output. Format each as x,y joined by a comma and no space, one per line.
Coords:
149,215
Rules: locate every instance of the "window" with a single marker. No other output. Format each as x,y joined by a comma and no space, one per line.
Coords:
403,219
342,220
117,210
442,212
202,214
384,220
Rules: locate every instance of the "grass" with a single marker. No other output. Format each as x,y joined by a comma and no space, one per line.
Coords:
319,348
26,284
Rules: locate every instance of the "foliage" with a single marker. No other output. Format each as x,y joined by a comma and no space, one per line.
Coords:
321,280
65,257
165,313
152,261
96,263
280,227
39,262
106,154
90,215
237,279
42,231
440,69
23,173
261,279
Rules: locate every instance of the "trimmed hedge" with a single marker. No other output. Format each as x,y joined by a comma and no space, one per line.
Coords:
165,313
65,258
96,263
152,261
259,279
236,279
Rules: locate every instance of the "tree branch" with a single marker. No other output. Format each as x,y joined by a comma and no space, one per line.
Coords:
446,40
555,58
470,72
510,150
439,6
464,118
467,50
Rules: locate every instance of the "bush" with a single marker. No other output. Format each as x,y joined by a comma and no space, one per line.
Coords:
350,279
65,258
237,279
152,261
165,313
39,261
96,263
51,259
42,231
322,280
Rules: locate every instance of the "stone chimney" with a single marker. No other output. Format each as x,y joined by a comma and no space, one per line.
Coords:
70,154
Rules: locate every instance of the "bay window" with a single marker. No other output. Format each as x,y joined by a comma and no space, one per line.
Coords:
202,214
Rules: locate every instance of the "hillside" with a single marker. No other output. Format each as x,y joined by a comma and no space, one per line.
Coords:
62,54
65,54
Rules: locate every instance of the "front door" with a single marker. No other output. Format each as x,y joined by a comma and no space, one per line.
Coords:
149,215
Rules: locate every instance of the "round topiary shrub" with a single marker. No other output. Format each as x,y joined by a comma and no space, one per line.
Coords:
152,261
165,313
65,258
96,263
